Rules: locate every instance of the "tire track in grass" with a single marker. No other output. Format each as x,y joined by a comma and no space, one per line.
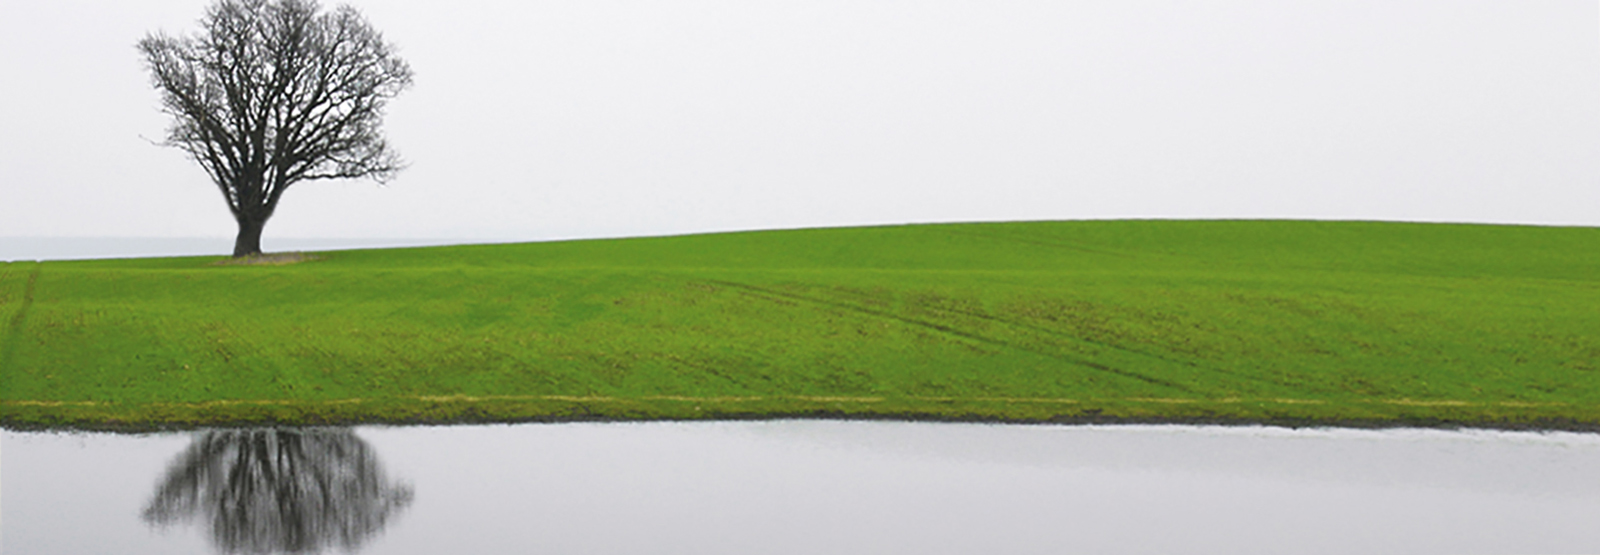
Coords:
1059,335
770,294
8,348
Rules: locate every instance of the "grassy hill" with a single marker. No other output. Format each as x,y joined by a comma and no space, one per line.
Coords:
1227,321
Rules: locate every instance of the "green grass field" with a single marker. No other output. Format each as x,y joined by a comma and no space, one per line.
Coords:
1286,322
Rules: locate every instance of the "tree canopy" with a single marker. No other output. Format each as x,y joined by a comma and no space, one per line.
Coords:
270,93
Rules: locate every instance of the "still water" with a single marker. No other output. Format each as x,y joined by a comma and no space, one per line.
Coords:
801,487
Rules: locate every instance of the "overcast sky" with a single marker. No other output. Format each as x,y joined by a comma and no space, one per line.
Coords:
590,118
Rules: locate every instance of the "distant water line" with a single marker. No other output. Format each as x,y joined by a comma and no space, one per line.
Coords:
80,248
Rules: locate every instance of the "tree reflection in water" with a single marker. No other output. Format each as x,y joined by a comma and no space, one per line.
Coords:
279,490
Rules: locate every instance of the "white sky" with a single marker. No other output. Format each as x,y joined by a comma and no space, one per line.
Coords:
589,118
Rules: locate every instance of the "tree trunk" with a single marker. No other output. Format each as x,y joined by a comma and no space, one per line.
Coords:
249,241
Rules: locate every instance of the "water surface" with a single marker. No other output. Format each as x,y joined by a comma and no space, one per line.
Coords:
802,487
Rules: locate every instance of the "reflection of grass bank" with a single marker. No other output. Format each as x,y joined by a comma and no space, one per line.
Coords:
1125,320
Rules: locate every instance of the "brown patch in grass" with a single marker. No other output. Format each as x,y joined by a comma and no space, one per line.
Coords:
1437,403
268,259
26,403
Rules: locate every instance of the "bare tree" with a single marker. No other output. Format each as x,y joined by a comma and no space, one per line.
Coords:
272,490
270,93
